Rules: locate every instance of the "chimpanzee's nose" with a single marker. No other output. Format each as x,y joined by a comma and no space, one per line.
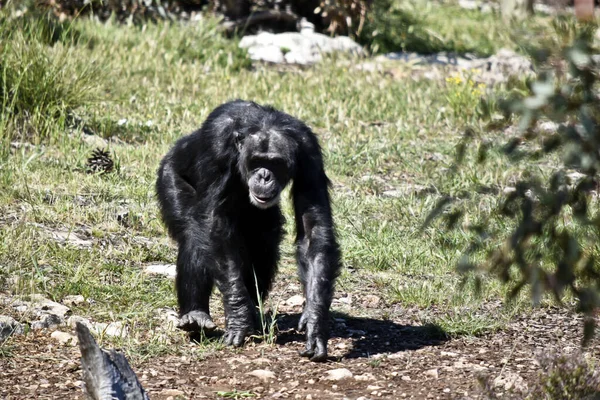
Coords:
264,175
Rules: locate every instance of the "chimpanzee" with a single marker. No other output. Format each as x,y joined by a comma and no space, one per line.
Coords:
219,189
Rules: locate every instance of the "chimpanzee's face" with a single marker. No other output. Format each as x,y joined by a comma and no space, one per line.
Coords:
266,164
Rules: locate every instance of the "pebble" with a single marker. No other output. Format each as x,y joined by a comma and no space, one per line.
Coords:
338,374
263,374
168,270
64,338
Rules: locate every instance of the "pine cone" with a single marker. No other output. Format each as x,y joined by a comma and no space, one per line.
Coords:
100,162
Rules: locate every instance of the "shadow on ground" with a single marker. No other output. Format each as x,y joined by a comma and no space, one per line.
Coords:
369,336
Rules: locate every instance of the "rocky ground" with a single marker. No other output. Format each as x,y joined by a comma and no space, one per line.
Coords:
383,354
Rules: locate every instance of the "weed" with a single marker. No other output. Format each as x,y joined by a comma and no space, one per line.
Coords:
269,328
236,394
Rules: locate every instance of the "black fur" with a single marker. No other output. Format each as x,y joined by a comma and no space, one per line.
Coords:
218,190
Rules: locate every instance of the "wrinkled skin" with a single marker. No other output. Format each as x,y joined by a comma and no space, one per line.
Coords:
219,190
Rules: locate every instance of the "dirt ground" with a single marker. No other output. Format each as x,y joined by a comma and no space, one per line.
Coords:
388,355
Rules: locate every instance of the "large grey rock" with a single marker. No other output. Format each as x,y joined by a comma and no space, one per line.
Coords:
47,321
9,326
305,47
45,306
42,312
271,53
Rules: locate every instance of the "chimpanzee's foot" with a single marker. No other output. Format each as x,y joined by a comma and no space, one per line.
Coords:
196,321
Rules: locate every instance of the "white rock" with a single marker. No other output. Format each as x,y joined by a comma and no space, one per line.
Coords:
272,54
338,374
365,377
306,27
170,393
295,301
548,126
263,374
73,300
9,326
72,321
115,329
94,140
168,270
432,372
64,338
302,57
448,354
305,47
44,306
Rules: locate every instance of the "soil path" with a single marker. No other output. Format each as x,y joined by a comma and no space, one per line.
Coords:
391,359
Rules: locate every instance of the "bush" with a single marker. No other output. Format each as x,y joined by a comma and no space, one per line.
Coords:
552,214
334,16
566,377
40,81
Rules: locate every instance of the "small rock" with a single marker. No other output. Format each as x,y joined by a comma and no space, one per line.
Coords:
115,329
295,301
374,387
405,378
338,374
448,354
510,380
371,301
168,270
393,193
9,326
344,300
94,140
47,321
432,372
73,300
365,377
548,126
64,338
263,374
73,320
171,392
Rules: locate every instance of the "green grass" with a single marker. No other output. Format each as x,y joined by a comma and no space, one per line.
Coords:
143,87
